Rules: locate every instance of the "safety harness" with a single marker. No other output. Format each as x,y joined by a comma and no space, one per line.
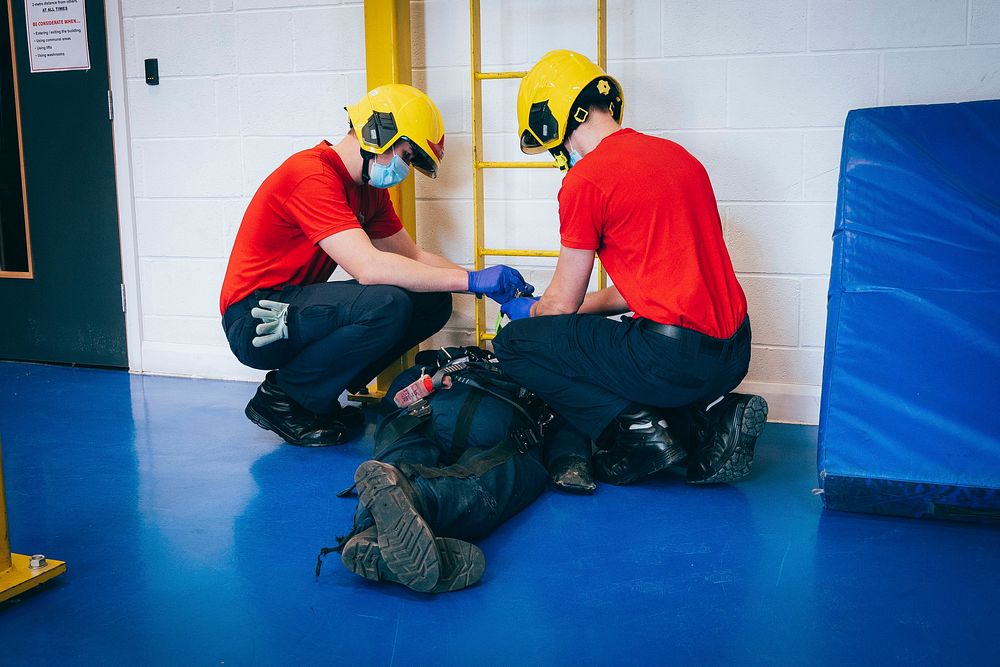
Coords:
478,369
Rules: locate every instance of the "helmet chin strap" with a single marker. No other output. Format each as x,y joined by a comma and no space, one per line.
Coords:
561,154
366,158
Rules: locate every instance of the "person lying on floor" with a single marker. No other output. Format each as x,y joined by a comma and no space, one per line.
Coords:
447,469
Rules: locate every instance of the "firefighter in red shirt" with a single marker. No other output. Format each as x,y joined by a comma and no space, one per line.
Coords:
644,389
329,206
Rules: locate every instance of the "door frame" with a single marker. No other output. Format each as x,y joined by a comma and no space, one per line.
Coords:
122,140
29,273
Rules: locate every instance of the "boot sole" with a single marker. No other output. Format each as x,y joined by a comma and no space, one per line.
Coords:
660,461
738,462
405,541
461,563
257,419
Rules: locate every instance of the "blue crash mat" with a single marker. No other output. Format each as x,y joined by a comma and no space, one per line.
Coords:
910,416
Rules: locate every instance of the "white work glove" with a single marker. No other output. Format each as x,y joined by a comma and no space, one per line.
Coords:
274,322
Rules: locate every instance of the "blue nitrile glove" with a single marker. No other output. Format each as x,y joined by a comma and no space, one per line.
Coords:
501,283
274,322
518,308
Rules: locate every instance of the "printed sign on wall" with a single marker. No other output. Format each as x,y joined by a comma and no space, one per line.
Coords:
57,35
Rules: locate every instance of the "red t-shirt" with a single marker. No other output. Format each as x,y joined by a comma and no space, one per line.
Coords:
647,207
309,197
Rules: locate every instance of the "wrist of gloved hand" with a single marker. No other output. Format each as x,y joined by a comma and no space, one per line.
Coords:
519,308
501,283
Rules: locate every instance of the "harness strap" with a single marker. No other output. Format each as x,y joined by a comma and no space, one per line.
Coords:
463,423
396,426
472,463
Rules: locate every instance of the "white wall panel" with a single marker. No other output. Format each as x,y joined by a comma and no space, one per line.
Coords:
984,24
792,91
873,24
949,75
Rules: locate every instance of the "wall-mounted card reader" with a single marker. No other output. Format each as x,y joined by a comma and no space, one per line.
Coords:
152,72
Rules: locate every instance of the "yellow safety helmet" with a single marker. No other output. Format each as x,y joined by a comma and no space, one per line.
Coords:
397,111
556,95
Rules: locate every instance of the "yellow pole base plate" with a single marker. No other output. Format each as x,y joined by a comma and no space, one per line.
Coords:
20,578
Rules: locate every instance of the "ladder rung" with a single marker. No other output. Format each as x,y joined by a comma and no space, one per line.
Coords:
512,252
489,335
514,165
500,75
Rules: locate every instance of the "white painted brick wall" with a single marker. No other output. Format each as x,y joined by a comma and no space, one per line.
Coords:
791,91
199,44
984,22
719,27
181,227
672,94
757,90
264,42
189,167
926,77
873,24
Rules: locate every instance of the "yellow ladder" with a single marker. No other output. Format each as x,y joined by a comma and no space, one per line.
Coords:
479,164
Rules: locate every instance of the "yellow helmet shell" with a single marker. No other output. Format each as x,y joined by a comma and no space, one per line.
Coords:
545,100
397,111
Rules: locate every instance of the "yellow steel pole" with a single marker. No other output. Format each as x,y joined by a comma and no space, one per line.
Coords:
387,59
478,232
602,61
20,573
602,34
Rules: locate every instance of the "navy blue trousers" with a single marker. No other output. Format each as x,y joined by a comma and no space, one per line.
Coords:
340,335
590,368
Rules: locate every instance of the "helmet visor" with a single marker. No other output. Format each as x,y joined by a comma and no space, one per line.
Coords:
530,144
421,160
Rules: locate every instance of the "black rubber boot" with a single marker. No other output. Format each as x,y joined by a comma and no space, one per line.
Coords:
724,439
641,446
461,563
274,410
406,543
573,474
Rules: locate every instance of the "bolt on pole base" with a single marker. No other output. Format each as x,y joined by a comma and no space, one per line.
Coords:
21,577
26,572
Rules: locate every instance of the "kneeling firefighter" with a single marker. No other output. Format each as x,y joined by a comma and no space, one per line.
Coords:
448,468
645,206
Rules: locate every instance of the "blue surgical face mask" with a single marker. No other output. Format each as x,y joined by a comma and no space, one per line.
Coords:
388,175
574,156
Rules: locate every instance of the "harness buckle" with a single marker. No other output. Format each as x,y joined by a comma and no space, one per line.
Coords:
421,408
526,439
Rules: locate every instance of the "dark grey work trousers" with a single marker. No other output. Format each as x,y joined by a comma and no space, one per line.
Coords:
465,508
590,368
340,335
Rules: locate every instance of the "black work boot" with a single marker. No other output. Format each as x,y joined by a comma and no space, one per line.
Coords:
274,410
347,416
406,543
573,473
724,439
641,445
461,563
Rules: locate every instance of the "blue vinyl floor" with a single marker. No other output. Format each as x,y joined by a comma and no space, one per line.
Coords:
191,535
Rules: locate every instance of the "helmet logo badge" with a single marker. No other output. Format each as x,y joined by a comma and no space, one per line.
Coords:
437,148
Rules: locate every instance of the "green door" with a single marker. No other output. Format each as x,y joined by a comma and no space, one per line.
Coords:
68,306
